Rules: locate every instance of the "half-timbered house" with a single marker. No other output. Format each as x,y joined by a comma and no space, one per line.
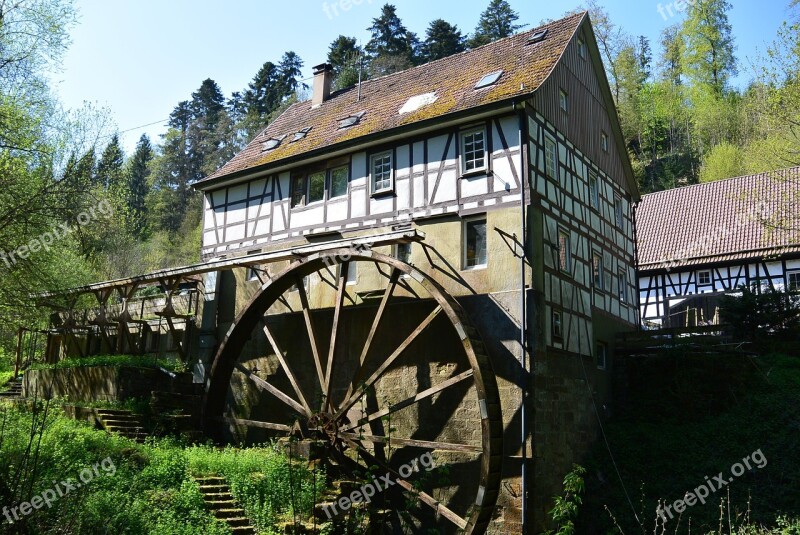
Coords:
700,242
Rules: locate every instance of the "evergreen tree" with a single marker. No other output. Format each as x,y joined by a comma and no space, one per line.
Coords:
496,22
290,71
392,47
442,39
138,173
109,169
709,52
208,104
263,93
345,56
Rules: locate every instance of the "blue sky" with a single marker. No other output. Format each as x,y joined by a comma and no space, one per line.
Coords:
140,58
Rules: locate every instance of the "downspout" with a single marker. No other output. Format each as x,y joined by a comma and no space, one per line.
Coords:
523,322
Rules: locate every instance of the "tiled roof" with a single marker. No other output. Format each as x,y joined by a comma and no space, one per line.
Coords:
525,67
728,220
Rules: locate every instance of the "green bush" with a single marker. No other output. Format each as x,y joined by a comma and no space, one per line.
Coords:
769,313
132,361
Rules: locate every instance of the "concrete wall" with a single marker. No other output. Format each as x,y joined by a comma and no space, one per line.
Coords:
101,383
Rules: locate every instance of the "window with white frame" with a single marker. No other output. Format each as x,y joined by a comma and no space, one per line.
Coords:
602,355
704,278
382,172
298,190
339,176
594,190
618,211
316,187
556,327
352,273
474,241
563,101
623,287
564,252
473,150
604,141
598,273
550,157
793,281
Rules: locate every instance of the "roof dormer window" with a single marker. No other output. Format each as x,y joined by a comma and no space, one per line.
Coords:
301,134
537,37
489,79
351,120
273,143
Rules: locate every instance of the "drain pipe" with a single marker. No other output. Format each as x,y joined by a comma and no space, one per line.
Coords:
523,322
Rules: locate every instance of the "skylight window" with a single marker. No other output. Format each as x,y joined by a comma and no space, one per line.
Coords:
301,134
273,143
351,120
538,36
489,79
415,103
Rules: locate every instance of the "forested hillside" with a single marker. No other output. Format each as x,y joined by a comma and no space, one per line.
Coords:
683,119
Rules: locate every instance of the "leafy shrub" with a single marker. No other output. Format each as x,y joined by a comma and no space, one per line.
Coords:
132,361
754,315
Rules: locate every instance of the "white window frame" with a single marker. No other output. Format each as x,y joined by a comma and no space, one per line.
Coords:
396,254
603,141
623,286
553,338
347,181
563,100
619,211
789,275
710,277
567,268
550,163
594,191
308,187
463,137
465,223
581,47
352,273
293,185
376,156
598,285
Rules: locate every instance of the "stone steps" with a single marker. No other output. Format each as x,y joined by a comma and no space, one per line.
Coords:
123,423
14,390
219,500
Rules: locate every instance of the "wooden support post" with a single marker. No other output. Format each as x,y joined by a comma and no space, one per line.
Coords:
19,353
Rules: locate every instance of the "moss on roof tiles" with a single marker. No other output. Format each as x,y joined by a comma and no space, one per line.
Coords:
525,67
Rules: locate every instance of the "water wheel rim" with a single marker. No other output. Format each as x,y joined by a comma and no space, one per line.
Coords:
483,378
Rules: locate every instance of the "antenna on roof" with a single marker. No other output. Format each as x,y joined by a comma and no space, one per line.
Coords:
360,71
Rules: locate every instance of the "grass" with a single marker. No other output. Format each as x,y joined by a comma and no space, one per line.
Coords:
133,361
151,490
694,422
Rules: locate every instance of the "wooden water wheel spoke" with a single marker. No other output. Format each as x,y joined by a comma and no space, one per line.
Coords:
393,278
443,446
348,404
286,369
425,394
370,358
312,338
438,508
265,386
257,423
340,294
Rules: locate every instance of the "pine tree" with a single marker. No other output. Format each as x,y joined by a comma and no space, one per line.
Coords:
109,168
290,71
709,52
345,56
441,40
496,22
263,93
392,47
138,173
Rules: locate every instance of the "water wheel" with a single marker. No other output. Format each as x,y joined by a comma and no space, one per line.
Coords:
382,372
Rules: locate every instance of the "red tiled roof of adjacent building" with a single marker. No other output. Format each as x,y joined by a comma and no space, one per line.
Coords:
525,67
728,220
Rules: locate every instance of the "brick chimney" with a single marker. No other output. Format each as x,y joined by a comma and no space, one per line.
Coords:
323,77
